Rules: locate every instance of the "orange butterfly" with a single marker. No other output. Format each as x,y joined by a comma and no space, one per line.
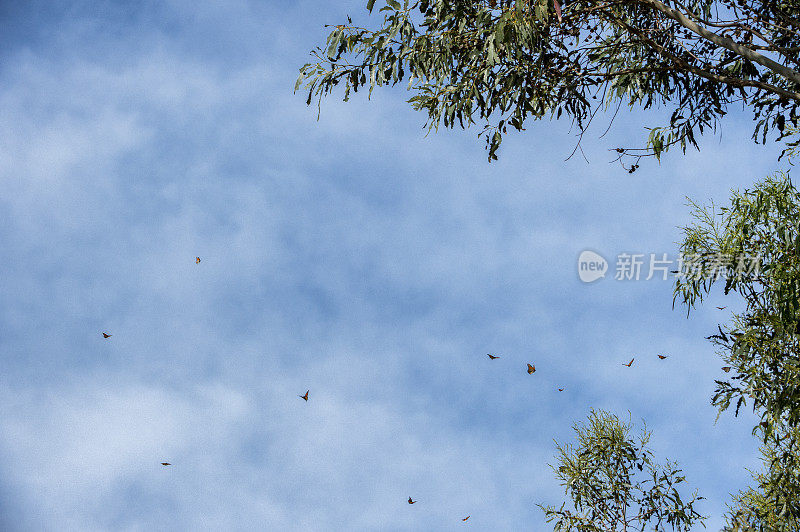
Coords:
105,335
197,260
490,356
662,357
629,364
531,369
304,396
722,308
561,389
467,517
165,463
410,501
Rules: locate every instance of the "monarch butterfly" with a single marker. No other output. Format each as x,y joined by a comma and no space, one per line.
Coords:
305,397
106,335
531,369
467,517
629,364
662,357
561,389
491,356
165,463
197,260
410,501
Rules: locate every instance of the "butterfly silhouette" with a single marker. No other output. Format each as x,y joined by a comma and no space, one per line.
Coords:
106,335
561,389
662,357
491,356
165,463
305,397
726,369
410,501
629,364
722,308
531,369
197,260
467,517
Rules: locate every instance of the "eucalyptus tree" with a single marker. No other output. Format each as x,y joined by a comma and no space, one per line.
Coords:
499,63
615,484
750,248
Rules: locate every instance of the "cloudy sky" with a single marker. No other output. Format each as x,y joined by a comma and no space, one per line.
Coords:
352,256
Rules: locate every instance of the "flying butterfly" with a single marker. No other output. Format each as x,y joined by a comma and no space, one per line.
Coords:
491,356
197,260
410,501
467,517
629,364
106,335
165,463
662,357
531,369
304,397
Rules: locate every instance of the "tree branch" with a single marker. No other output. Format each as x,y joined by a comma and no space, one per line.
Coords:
725,42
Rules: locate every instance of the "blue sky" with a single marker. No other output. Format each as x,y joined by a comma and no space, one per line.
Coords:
352,256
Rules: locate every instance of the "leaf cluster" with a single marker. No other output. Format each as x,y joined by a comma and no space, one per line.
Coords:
771,503
503,62
614,483
761,345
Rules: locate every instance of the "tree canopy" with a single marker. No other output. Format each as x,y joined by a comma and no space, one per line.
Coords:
502,62
615,484
752,245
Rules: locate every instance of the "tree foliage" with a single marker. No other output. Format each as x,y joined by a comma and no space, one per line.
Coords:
761,345
770,504
502,62
614,484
